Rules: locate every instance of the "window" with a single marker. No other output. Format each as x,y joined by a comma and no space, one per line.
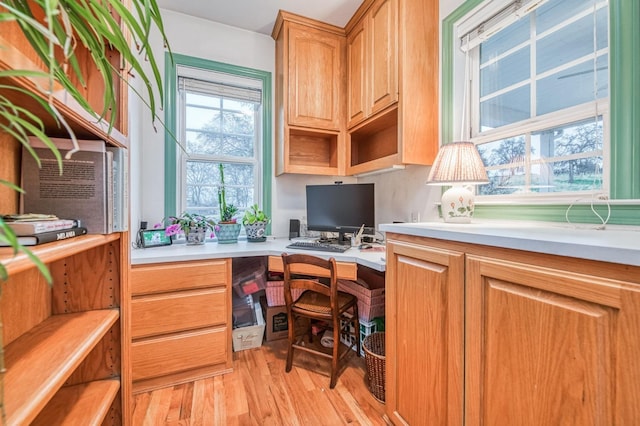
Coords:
539,92
219,123
216,112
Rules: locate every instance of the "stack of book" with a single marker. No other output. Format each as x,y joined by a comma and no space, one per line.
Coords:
33,229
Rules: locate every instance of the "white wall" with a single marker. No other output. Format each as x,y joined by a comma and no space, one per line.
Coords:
398,194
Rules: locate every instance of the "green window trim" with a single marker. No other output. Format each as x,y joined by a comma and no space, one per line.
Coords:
624,101
172,61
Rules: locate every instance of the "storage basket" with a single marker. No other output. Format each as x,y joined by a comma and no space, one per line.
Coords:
375,361
275,293
371,301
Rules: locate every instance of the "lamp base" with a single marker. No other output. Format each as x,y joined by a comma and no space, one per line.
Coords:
457,205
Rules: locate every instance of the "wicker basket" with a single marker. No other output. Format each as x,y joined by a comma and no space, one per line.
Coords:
374,358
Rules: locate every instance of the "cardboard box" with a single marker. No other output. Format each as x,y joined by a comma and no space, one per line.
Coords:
276,321
251,336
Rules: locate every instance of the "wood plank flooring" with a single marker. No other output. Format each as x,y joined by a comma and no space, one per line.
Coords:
259,392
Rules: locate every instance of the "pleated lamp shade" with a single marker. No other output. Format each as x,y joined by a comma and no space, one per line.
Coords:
458,164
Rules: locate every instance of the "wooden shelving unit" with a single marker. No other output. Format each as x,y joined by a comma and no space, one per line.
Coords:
40,361
64,343
90,404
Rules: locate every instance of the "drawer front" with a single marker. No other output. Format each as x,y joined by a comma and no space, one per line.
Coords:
163,277
179,311
179,352
346,270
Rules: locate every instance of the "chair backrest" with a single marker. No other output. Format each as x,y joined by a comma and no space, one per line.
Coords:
308,270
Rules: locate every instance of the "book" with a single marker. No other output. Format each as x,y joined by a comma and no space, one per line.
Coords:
65,145
21,228
82,191
120,188
49,237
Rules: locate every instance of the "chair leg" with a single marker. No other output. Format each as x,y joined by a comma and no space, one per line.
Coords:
356,325
335,354
292,336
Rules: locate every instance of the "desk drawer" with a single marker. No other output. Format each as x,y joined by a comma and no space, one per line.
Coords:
346,270
179,352
178,311
163,277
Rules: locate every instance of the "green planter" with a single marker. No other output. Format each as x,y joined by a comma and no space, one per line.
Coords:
227,233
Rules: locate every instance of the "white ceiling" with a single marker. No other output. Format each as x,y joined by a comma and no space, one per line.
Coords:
260,15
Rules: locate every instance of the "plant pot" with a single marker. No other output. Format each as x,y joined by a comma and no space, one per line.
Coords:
256,232
195,236
227,233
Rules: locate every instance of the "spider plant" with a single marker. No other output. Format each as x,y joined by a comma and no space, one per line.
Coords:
97,26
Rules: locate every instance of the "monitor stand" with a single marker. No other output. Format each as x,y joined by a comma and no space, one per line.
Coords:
342,240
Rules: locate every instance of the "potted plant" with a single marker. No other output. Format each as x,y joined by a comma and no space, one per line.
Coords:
255,223
227,230
194,227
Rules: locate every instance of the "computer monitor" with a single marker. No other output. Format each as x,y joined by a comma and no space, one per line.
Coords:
341,208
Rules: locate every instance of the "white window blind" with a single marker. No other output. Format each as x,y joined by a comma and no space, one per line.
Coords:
225,90
472,37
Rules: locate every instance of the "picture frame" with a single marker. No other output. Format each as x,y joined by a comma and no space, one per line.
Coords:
154,238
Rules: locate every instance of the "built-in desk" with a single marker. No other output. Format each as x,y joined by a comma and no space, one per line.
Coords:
181,306
271,247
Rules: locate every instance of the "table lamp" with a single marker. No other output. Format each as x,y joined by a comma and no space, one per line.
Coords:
458,164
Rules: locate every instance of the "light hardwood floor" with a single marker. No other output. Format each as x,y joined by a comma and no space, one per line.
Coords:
259,392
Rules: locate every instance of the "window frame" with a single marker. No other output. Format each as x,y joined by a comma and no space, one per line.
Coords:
173,161
624,129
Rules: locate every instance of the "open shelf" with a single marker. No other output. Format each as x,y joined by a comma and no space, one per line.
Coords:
374,144
313,148
51,252
84,404
39,362
16,55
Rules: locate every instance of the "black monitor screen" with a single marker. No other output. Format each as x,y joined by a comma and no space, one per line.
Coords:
340,208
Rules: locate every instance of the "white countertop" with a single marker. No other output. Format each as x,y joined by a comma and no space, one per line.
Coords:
271,247
614,244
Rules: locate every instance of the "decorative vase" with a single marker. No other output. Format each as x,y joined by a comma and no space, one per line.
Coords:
227,233
195,236
256,232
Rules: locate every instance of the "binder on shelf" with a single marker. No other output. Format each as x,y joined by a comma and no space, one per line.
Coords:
84,190
49,237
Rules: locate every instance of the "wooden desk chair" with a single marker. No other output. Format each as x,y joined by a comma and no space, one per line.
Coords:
319,301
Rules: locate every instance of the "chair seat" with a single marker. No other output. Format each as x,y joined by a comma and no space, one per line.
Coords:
320,304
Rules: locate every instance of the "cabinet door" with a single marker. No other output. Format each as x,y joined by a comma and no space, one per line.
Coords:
315,77
356,71
424,321
540,345
383,56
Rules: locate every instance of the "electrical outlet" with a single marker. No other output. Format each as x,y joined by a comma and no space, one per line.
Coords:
415,217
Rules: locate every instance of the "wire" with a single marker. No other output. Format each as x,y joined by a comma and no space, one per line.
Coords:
595,129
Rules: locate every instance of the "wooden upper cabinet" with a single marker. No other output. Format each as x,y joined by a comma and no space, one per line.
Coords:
372,62
356,72
383,55
310,96
315,62
399,123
